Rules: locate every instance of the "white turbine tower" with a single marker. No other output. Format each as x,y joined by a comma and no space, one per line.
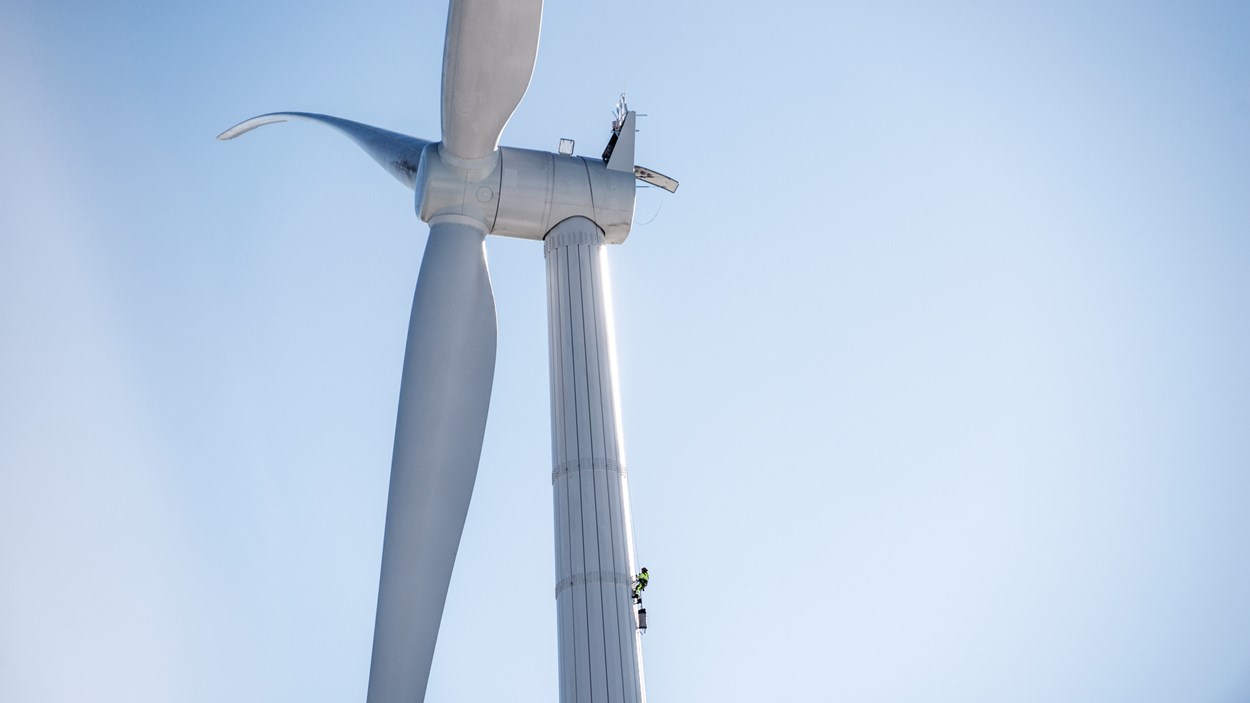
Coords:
467,187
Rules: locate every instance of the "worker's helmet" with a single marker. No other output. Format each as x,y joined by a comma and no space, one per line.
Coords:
644,569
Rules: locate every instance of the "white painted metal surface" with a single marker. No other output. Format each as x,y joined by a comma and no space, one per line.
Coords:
600,649
487,63
398,153
524,193
622,156
448,369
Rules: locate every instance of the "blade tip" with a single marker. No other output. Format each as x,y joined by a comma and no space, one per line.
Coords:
249,124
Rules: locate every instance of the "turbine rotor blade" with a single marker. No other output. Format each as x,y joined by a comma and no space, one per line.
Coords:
398,153
448,369
487,63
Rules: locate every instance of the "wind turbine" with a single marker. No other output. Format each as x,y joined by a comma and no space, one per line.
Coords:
466,187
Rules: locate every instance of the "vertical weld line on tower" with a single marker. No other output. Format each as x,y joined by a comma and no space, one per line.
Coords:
588,315
604,391
568,655
564,295
584,282
553,324
568,251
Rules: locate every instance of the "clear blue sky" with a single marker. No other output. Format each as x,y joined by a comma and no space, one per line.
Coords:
936,370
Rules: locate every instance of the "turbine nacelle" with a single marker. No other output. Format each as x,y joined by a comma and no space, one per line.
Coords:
523,193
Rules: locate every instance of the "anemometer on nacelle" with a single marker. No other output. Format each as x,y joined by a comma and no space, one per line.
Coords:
643,174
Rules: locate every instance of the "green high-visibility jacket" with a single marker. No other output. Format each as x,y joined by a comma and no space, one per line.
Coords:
643,578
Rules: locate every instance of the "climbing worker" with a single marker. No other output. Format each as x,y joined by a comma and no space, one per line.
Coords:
640,584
